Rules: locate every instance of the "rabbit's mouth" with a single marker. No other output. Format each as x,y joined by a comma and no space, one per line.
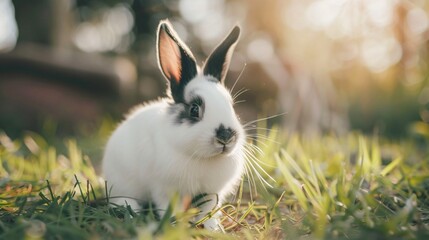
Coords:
221,146
223,149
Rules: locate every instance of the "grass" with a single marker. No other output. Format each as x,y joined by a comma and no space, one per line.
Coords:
326,187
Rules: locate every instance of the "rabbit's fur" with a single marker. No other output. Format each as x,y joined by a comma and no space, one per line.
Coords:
190,143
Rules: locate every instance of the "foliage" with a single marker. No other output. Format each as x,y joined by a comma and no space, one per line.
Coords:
326,187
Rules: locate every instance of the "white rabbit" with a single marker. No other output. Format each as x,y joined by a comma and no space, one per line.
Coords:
190,143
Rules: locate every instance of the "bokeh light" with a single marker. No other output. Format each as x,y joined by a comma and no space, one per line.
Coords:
109,33
8,27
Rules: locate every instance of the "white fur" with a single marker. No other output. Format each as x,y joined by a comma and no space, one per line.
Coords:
151,156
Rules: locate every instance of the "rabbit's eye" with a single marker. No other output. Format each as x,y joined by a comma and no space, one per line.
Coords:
195,111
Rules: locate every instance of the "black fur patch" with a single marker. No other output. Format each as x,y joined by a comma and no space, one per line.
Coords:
189,71
218,62
182,111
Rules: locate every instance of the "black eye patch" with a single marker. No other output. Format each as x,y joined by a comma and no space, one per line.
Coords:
192,112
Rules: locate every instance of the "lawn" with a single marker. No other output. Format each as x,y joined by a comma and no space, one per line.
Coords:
321,187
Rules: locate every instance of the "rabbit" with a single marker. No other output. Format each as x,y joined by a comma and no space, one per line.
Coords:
190,142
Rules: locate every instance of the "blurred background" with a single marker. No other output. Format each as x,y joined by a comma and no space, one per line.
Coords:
330,65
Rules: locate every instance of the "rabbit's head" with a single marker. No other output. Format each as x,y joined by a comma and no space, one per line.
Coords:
204,121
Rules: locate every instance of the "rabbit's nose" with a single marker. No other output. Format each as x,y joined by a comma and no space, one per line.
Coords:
224,135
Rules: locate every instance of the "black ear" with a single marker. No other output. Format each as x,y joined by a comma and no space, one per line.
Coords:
218,62
175,60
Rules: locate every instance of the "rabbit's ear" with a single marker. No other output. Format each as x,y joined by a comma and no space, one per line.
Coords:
218,62
175,60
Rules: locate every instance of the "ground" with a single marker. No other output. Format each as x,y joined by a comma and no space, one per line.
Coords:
322,187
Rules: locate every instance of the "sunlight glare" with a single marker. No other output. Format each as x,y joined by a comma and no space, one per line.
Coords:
217,27
321,14
417,21
207,18
194,11
380,12
292,15
260,49
379,54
